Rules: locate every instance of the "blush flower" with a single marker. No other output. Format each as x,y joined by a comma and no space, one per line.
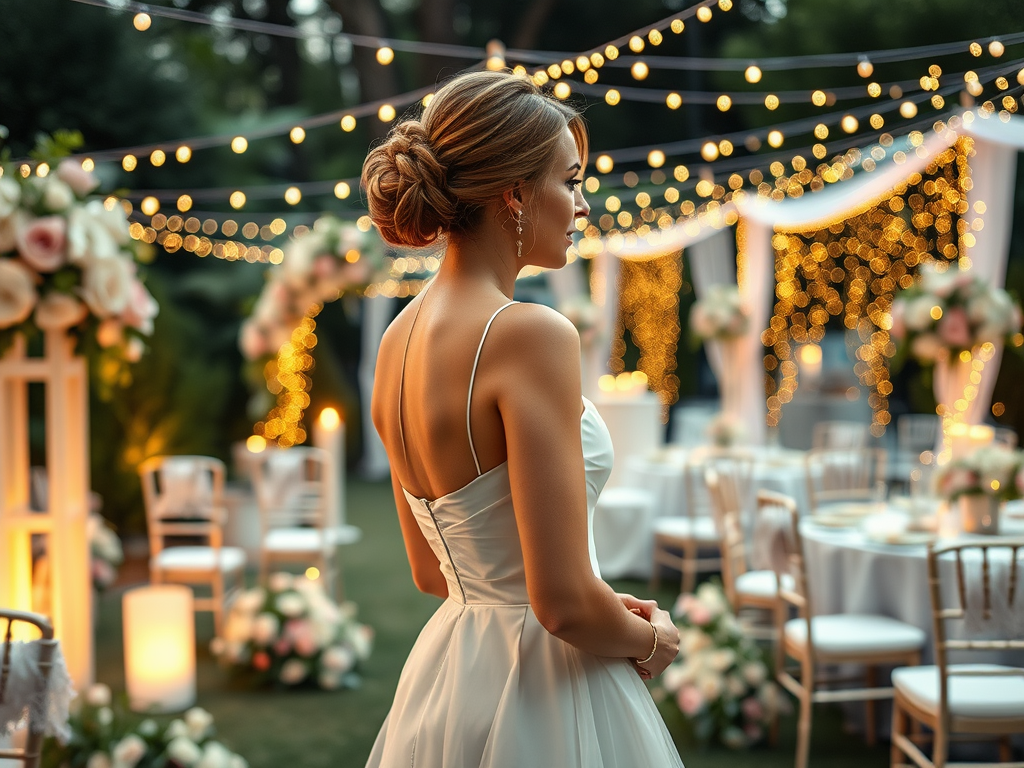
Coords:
955,329
80,180
17,293
59,311
41,242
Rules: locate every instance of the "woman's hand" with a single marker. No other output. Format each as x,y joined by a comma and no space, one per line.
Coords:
643,608
668,643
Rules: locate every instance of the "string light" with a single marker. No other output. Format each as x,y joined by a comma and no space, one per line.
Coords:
908,109
656,158
996,49
604,164
348,123
385,55
150,205
184,203
636,44
704,14
775,138
752,74
612,97
639,70
239,144
237,199
673,100
183,154
297,134
129,162
293,196
864,67
157,157
562,90
386,113
723,103
849,124
709,151
142,21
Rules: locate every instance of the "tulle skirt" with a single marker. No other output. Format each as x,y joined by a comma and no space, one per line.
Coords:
486,686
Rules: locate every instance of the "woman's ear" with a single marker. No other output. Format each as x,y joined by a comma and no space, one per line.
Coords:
514,197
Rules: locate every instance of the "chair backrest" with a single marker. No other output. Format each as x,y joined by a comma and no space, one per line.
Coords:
291,487
178,488
917,432
37,708
988,605
778,532
845,475
728,520
839,434
1006,436
735,470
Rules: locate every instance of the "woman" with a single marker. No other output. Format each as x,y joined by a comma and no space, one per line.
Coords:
497,459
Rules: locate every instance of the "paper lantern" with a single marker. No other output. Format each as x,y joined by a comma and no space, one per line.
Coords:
159,648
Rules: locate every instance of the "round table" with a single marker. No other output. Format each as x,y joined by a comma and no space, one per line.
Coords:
848,572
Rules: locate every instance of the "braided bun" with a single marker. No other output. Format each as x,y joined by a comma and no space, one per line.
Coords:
405,187
481,135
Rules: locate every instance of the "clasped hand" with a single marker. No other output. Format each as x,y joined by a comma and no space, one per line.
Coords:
668,635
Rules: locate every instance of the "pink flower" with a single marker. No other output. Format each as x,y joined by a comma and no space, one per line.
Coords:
41,243
141,309
899,321
323,267
699,613
252,341
955,329
690,700
752,709
261,661
283,646
59,311
80,180
302,637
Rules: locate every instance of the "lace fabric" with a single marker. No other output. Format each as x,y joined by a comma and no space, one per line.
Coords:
26,693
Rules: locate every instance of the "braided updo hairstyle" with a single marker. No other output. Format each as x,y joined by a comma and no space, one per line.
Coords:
481,134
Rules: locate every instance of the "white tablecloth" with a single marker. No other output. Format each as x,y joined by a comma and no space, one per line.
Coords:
849,573
634,423
663,474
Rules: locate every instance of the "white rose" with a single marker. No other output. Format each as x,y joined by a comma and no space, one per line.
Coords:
710,686
17,293
251,600
735,686
722,659
129,751
673,677
133,349
290,604
361,639
184,751
148,728
237,761
293,672
106,286
177,729
264,629
104,716
339,659
89,238
712,598
198,722
328,680
98,695
99,760
215,755
693,641
918,316
57,196
754,672
10,196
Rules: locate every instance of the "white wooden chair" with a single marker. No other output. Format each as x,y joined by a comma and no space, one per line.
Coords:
964,700
697,529
12,700
840,475
814,640
296,523
839,434
184,498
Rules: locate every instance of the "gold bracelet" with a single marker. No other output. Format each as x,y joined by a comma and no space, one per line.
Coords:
654,649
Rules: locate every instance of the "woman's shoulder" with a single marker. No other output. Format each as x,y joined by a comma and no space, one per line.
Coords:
535,336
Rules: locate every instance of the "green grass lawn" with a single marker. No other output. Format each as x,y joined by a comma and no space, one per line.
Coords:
310,729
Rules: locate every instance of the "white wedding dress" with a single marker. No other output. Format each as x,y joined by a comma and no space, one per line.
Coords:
485,685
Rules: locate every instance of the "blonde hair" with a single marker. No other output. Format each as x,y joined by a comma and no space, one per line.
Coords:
481,134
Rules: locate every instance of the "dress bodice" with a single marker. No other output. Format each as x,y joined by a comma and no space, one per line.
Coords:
473,530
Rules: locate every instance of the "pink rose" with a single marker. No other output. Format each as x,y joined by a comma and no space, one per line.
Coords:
955,329
699,613
690,700
752,709
282,647
302,637
59,311
323,267
141,309
41,243
82,182
899,321
252,341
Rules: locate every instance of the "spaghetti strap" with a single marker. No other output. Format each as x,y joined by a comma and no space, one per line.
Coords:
472,378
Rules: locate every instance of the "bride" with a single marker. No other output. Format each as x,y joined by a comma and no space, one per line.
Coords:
532,660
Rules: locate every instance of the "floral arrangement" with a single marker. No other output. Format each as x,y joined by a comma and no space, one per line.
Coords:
947,312
67,260
720,678
725,431
104,735
719,314
990,470
293,633
105,552
332,257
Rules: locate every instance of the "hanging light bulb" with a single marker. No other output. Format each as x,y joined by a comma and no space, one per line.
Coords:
709,151
996,48
656,158
385,55
775,138
849,123
639,70
908,109
142,21
753,74
864,67
674,100
604,164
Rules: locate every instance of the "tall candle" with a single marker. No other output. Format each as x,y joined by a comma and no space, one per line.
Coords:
329,435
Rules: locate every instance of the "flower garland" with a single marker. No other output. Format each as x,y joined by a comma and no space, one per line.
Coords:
719,314
948,312
104,735
720,678
990,470
293,633
67,262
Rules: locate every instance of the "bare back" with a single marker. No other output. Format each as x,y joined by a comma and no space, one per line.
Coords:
421,413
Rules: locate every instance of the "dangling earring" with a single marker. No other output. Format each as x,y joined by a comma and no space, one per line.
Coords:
519,235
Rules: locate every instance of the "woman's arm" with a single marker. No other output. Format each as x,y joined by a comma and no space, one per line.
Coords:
540,401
